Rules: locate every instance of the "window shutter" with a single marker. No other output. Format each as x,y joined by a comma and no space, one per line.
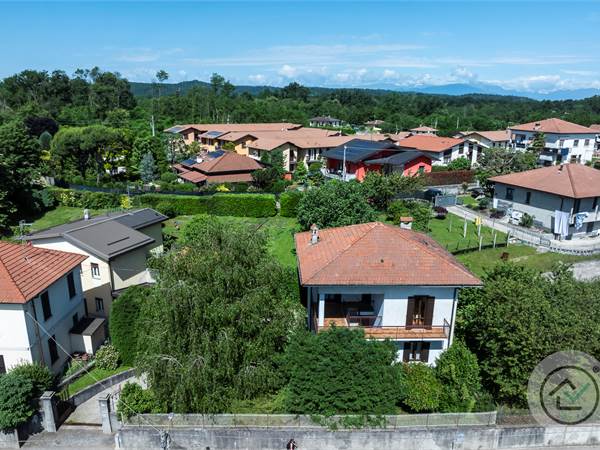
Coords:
406,353
410,309
425,351
429,311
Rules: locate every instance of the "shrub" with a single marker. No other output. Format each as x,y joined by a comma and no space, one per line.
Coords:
243,205
40,376
419,211
123,322
167,208
86,199
168,177
461,163
135,400
341,372
483,203
526,220
16,401
107,357
184,205
448,177
422,390
278,186
440,212
458,372
240,187
288,202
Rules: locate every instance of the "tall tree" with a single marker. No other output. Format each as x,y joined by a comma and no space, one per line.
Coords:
147,168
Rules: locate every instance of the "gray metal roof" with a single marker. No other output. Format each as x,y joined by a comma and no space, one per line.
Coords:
397,159
106,235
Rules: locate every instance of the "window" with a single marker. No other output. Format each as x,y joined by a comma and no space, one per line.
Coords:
421,169
528,198
71,283
53,349
95,271
595,203
75,319
99,305
587,142
416,351
561,143
419,312
509,193
461,149
2,365
46,305
576,143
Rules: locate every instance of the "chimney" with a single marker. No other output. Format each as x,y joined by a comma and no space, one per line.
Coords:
86,214
314,238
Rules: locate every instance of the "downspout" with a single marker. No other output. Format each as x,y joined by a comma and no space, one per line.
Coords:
453,318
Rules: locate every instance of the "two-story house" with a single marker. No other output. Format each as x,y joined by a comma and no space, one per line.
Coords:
441,150
565,142
562,199
393,283
116,246
42,313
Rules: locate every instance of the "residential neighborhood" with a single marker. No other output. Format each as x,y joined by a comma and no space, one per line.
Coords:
285,226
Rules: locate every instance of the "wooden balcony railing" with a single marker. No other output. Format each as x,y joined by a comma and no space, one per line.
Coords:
372,329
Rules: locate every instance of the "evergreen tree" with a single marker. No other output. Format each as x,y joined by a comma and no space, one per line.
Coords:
147,168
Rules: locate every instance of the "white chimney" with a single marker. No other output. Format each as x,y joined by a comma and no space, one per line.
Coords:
314,238
86,214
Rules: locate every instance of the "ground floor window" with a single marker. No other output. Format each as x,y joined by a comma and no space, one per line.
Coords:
53,349
416,351
99,305
2,365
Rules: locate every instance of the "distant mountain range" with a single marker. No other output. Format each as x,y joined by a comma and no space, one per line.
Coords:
146,89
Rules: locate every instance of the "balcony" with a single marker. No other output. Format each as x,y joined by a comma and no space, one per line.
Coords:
338,174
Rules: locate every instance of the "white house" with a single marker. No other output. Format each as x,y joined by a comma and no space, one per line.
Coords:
486,139
562,199
393,283
116,245
325,121
423,129
42,313
441,150
565,142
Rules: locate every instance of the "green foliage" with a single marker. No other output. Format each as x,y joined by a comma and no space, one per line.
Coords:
315,176
341,372
168,177
499,161
124,321
242,205
519,317
135,400
421,390
526,220
334,204
142,145
107,357
230,146
184,205
381,189
458,372
16,401
461,163
40,376
288,202
420,212
86,199
301,173
217,319
147,168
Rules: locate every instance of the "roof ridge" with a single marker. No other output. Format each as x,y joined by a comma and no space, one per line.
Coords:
371,227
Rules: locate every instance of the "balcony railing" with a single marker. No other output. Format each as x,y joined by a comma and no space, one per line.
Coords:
372,329
338,174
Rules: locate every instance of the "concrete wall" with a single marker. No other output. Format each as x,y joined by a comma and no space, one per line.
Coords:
442,438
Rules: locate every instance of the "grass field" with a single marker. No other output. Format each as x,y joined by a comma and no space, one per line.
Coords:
450,233
60,215
92,377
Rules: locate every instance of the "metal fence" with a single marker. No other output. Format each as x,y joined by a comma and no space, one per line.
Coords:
445,200
304,421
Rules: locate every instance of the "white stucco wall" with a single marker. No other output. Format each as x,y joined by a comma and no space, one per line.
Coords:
582,151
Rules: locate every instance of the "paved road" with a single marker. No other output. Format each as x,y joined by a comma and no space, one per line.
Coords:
72,438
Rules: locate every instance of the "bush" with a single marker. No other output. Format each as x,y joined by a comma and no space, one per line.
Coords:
135,400
334,204
168,177
167,208
243,205
461,163
341,372
123,322
421,391
240,187
458,372
440,212
288,202
483,203
107,357
183,205
448,177
86,199
526,220
278,186
40,376
16,401
419,211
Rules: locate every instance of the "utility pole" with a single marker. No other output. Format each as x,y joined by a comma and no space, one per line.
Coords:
344,165
152,125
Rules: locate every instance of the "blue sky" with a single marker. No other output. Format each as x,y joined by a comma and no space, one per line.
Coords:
532,46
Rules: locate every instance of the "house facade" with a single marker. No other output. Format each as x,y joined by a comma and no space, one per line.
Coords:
116,247
42,312
561,199
325,121
390,282
565,142
486,139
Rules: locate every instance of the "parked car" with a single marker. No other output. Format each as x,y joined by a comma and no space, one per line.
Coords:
431,194
476,192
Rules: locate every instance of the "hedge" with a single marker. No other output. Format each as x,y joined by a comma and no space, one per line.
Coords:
289,203
243,205
86,199
174,205
124,322
449,177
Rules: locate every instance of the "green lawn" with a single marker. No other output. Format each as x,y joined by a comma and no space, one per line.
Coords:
93,376
60,215
449,233
467,200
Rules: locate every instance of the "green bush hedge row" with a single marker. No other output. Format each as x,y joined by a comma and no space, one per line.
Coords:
86,199
241,205
288,202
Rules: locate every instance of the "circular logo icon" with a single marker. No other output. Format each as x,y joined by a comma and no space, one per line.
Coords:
565,388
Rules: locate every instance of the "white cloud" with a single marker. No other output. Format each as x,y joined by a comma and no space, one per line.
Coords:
463,74
287,71
257,78
388,73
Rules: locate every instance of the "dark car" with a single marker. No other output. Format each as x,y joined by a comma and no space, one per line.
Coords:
476,192
431,194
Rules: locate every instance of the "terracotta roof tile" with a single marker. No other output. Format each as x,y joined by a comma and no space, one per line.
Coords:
424,128
430,143
25,271
228,162
377,254
573,181
494,136
554,125
192,176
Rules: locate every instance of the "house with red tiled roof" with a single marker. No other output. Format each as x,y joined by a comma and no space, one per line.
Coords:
562,199
423,129
441,150
565,142
229,167
208,133
392,283
42,313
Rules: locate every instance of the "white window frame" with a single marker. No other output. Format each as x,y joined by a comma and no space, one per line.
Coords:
95,270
